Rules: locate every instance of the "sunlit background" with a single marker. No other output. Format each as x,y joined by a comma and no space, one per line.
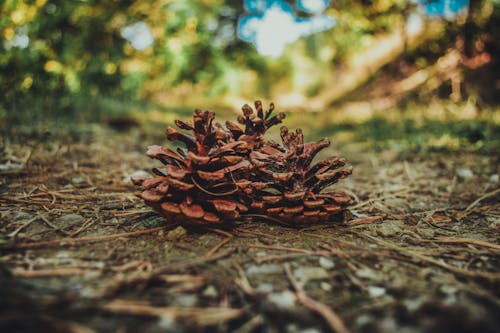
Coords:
91,61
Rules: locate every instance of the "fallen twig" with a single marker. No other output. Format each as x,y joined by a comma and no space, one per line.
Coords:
470,241
73,241
331,317
279,248
63,271
469,208
421,257
221,243
364,220
199,316
387,196
182,266
24,225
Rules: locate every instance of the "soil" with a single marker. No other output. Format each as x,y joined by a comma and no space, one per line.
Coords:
419,251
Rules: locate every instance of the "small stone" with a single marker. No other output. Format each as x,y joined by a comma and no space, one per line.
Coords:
78,180
310,330
425,231
186,300
168,324
69,220
494,223
325,286
265,288
10,166
136,174
21,216
292,328
210,292
389,324
112,220
464,173
363,320
356,214
63,255
415,303
264,269
375,291
285,299
176,234
305,274
494,178
369,274
390,227
326,263
447,289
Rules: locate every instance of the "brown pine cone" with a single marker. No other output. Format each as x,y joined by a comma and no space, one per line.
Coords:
196,184
285,186
256,124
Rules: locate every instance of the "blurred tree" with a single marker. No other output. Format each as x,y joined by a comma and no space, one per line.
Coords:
58,56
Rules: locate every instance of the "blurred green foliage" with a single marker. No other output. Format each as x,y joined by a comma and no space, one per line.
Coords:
57,52
68,58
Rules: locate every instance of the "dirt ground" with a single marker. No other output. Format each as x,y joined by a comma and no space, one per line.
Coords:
420,251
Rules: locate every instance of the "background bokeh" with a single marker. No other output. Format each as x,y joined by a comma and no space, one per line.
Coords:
423,65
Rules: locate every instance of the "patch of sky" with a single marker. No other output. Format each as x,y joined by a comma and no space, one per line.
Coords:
312,6
138,35
20,39
445,8
272,24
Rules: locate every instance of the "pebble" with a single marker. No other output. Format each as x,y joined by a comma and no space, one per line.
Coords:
389,324
210,292
447,289
285,299
494,222
464,173
63,255
375,291
78,180
389,228
11,166
370,274
325,286
176,234
294,328
363,319
18,216
168,324
310,330
494,178
415,303
136,174
264,288
186,300
264,269
425,232
69,220
305,274
326,263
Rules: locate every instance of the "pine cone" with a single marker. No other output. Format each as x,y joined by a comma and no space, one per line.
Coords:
196,184
226,171
256,125
285,186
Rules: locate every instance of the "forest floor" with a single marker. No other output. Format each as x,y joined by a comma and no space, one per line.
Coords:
80,253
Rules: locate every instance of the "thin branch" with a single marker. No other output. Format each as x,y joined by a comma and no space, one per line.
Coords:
332,318
73,241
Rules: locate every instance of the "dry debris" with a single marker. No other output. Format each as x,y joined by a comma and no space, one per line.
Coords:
78,251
